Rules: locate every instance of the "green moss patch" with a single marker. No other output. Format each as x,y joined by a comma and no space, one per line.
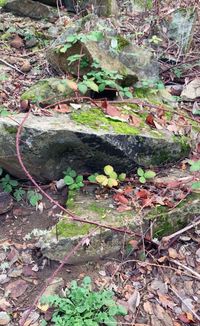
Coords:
66,229
96,119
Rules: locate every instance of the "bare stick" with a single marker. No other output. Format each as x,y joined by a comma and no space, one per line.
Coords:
11,66
182,300
188,227
185,267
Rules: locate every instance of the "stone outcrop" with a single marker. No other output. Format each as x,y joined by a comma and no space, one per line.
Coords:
28,8
85,140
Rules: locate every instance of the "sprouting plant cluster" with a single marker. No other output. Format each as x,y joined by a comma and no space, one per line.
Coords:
109,179
12,186
82,306
145,175
98,78
72,180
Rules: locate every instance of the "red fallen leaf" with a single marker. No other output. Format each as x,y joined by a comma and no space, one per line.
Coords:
142,193
120,198
184,318
147,202
150,120
168,203
62,108
134,244
134,121
123,208
127,190
110,109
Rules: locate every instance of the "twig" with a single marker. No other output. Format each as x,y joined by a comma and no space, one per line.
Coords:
185,267
51,278
11,66
182,300
166,239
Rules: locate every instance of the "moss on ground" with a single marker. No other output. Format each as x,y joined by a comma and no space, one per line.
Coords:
66,229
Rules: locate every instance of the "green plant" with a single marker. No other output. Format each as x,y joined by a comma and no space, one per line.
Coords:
3,111
2,3
72,180
7,183
19,194
195,167
81,306
145,175
110,178
34,197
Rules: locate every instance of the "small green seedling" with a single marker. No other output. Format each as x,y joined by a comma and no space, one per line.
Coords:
7,183
34,197
72,180
195,167
110,179
82,306
19,194
145,175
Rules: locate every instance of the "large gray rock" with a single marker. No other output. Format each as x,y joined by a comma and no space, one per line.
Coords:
63,237
28,8
112,51
85,140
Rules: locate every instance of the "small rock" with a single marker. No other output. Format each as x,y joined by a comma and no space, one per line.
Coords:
17,42
192,90
26,67
28,8
31,43
4,318
4,278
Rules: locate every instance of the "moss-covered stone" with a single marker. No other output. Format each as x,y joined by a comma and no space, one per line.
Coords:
48,91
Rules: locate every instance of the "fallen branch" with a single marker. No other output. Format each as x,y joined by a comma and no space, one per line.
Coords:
182,300
11,66
186,268
166,239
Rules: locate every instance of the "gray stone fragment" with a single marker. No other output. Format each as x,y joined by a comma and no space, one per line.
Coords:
28,8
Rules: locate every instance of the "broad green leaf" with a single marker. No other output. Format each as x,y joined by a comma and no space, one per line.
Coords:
102,179
92,178
71,38
65,48
68,180
108,169
142,180
122,176
195,166
14,183
113,175
140,172
71,173
112,183
196,185
92,85
79,178
149,174
102,87
82,88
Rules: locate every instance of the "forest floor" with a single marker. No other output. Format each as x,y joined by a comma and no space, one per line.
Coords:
161,290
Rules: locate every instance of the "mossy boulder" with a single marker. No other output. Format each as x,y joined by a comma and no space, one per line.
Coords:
106,243
86,140
48,91
112,51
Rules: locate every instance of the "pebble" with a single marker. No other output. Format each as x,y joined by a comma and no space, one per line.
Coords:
4,318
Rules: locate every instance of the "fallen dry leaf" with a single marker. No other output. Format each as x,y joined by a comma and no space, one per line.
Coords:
172,253
62,108
16,288
148,307
165,301
134,301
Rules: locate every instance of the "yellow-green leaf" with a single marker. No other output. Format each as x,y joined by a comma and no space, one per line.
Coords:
112,182
108,169
102,179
